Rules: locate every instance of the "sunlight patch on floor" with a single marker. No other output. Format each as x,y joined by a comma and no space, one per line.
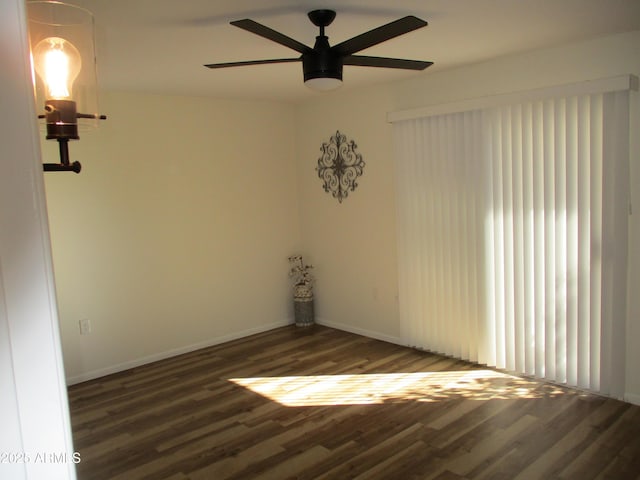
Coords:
378,388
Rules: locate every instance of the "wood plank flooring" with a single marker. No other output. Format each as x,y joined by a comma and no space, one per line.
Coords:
317,403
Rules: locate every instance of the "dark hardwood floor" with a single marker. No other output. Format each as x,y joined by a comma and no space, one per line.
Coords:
317,403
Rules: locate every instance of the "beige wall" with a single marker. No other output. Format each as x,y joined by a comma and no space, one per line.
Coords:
354,243
177,231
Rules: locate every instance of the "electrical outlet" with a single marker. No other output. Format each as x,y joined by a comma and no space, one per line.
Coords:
85,326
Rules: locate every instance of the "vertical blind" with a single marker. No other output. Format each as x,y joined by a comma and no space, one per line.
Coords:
512,236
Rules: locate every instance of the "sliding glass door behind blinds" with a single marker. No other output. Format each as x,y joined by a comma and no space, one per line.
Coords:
512,236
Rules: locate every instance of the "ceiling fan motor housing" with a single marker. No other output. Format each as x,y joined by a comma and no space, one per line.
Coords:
321,62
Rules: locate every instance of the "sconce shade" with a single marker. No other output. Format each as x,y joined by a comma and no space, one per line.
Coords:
63,57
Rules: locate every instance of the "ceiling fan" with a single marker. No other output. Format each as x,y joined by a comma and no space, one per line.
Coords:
322,64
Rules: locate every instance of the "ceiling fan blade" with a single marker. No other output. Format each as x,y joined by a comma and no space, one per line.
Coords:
363,61
270,34
379,35
252,62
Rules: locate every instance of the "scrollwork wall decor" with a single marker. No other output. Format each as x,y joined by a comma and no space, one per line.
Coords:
339,166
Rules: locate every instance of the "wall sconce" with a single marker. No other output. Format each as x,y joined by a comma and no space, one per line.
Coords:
65,82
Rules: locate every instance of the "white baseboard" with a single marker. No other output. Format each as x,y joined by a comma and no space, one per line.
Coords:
359,331
101,372
632,398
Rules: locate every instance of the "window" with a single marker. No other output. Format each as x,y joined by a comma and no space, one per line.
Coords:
512,234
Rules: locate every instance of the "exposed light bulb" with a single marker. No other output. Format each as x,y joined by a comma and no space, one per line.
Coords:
58,63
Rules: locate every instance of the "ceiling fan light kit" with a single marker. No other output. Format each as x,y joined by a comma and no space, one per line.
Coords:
322,65
323,84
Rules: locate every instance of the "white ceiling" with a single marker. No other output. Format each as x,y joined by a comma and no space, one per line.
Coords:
159,46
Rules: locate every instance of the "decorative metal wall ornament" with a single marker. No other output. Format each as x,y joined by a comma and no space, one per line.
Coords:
339,166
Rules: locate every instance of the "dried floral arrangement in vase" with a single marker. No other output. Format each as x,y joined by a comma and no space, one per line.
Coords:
303,280
302,291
